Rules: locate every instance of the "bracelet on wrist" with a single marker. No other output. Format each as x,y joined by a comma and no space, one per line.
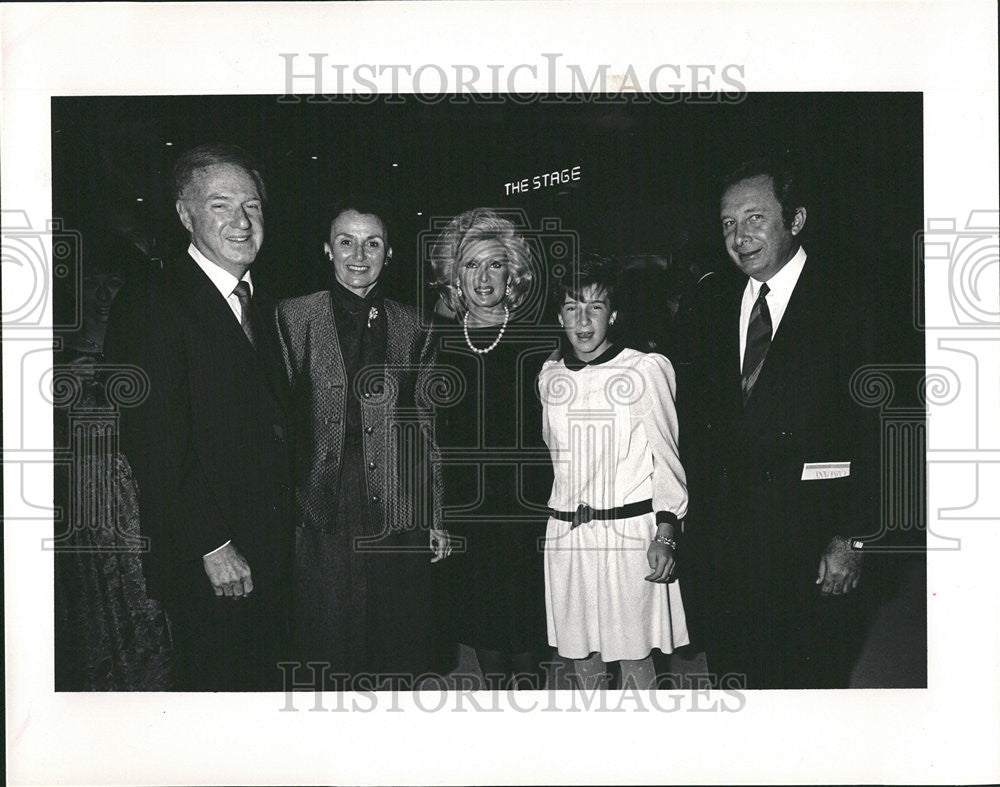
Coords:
666,541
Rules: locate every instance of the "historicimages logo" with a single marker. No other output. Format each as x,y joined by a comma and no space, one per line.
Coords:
549,79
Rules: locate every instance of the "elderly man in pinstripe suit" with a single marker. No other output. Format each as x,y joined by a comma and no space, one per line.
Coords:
209,446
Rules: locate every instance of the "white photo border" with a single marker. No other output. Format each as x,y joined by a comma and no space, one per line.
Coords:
944,734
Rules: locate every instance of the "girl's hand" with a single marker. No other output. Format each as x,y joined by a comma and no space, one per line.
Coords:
661,560
440,545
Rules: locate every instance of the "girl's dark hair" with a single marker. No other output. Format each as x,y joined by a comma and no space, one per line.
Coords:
592,269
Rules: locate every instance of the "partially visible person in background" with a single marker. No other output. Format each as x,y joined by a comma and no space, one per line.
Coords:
496,468
110,636
100,287
647,292
132,238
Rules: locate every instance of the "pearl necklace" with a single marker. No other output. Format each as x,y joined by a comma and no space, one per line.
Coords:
468,341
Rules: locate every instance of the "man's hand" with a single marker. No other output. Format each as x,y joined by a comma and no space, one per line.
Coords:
440,545
228,572
839,568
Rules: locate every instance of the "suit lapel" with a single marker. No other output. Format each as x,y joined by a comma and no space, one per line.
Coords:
213,318
327,341
268,355
207,306
788,342
730,344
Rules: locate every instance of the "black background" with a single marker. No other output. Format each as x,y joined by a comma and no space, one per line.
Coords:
648,186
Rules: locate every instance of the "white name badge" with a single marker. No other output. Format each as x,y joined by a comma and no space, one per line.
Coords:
818,471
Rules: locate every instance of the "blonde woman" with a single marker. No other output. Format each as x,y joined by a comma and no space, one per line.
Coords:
496,471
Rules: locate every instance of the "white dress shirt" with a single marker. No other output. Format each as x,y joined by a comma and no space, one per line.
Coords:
223,280
225,283
780,288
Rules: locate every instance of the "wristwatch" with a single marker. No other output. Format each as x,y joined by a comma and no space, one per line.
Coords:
853,543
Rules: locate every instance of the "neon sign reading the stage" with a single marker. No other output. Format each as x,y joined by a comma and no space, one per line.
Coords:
557,178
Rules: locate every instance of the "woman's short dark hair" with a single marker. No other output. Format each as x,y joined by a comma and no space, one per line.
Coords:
592,270
209,155
364,204
470,227
788,187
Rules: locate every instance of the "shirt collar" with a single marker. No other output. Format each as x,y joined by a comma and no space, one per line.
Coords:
223,280
783,282
574,364
351,301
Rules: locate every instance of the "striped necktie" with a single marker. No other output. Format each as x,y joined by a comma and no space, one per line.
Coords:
758,342
242,293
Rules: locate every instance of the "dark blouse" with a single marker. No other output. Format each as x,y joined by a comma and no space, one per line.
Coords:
361,331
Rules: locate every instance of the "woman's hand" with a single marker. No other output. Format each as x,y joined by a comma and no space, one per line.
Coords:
661,560
440,545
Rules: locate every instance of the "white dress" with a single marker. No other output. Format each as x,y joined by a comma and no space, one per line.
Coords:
611,428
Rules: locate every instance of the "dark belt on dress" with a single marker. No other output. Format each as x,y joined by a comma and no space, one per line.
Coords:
585,513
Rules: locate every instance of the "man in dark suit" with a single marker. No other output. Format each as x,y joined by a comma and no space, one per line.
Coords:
780,453
208,445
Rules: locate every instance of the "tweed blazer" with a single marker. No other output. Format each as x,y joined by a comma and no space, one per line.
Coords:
400,454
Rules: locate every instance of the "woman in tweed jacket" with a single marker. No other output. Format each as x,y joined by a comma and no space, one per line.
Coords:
368,482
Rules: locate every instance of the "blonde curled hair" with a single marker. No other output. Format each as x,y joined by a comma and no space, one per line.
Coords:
470,227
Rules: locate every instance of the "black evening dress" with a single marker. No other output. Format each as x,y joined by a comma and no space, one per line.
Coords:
497,479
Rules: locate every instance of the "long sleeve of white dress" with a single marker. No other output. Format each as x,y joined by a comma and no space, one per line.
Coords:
658,413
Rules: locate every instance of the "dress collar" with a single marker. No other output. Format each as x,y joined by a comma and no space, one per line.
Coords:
345,300
574,364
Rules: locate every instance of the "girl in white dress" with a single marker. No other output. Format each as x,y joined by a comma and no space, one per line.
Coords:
619,492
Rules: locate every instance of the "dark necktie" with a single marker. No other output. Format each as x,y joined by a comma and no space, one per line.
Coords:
242,292
758,342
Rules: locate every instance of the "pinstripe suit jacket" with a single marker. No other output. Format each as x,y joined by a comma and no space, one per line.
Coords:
400,455
209,445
